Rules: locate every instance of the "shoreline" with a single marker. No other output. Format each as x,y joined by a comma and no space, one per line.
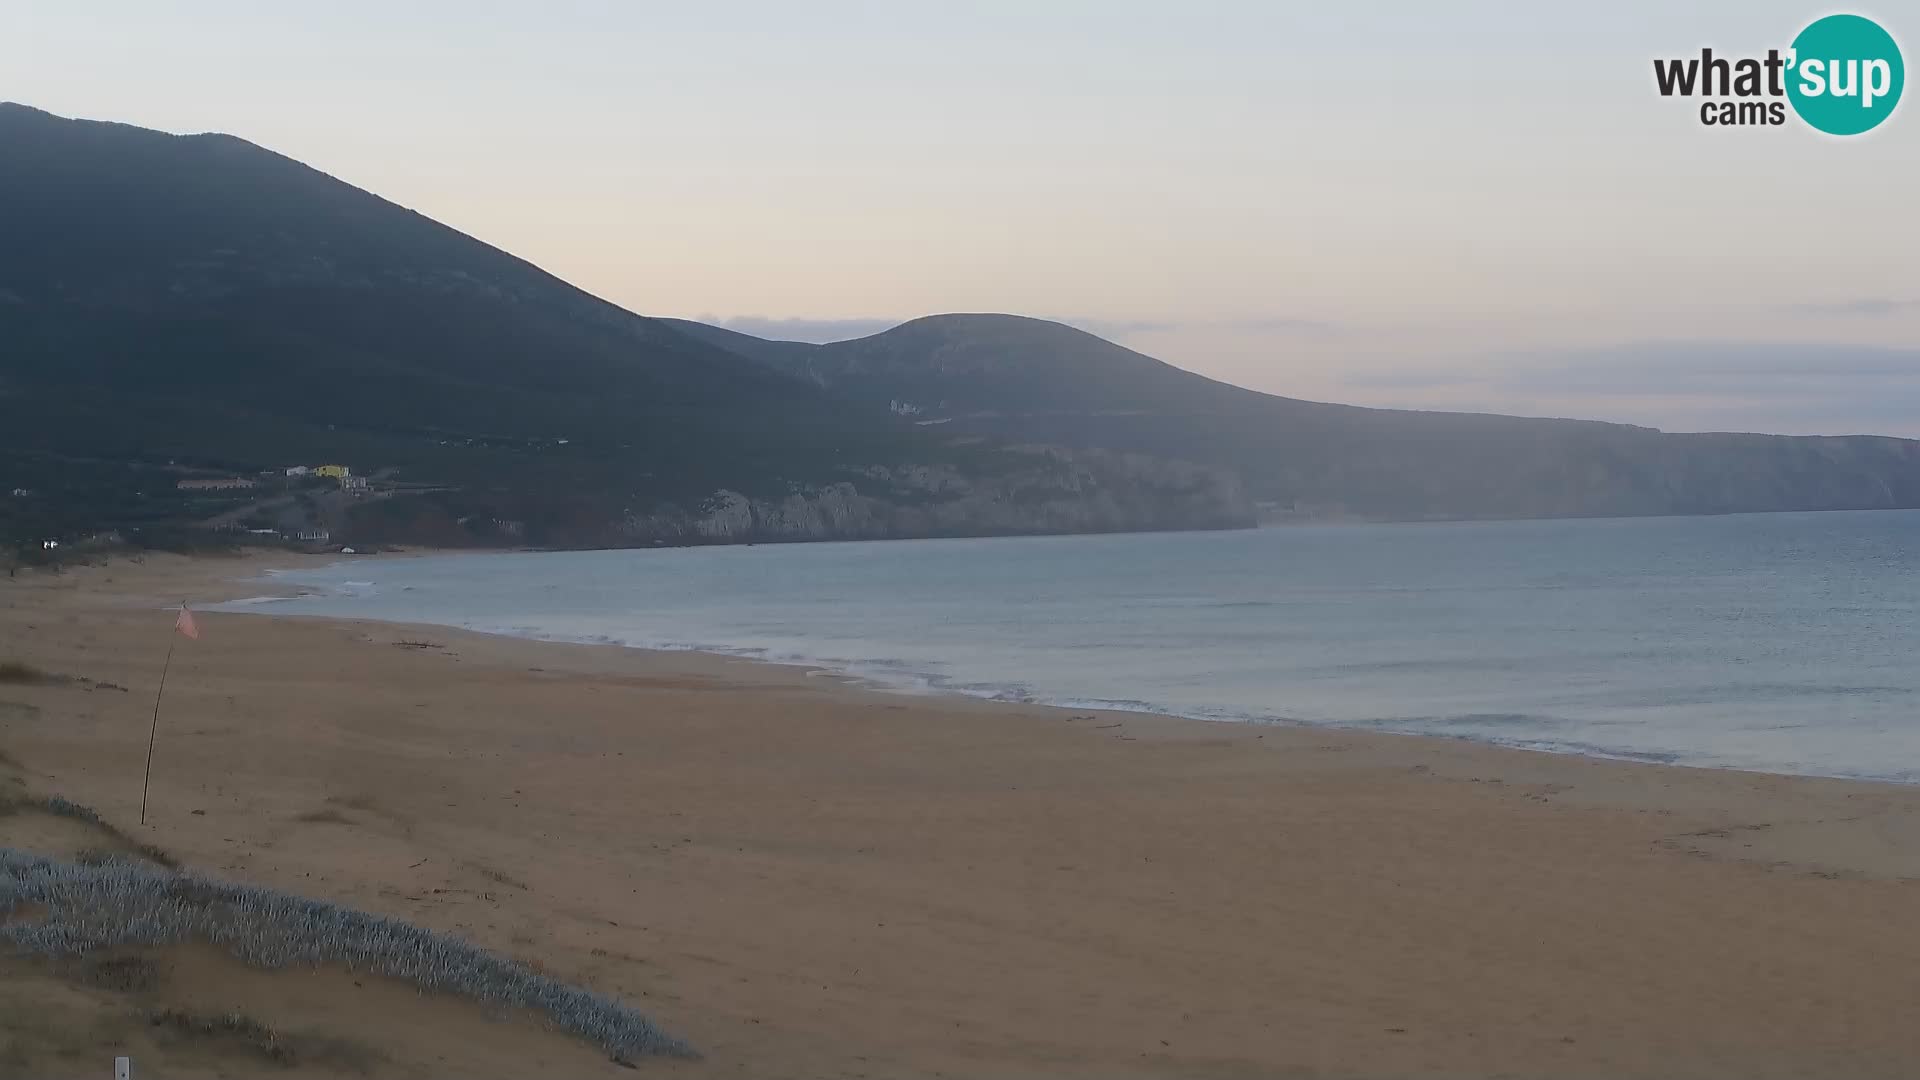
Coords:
861,684
920,684
1163,724
806,878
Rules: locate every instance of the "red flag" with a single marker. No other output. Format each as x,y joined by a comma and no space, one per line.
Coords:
185,624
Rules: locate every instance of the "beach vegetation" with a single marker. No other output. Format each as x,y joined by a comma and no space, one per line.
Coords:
232,1025
82,909
129,973
280,1048
122,844
60,806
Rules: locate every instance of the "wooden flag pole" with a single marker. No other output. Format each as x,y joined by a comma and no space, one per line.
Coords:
155,729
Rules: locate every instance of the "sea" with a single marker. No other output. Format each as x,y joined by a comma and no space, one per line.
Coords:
1782,643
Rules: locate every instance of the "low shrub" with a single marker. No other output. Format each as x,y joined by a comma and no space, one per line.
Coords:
120,902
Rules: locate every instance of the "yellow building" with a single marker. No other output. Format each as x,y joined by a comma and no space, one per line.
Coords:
335,472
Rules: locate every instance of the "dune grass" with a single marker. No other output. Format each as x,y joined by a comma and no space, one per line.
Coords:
284,1050
239,1026
84,908
122,974
62,807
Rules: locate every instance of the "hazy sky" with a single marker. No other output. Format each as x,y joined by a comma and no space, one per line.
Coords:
1462,205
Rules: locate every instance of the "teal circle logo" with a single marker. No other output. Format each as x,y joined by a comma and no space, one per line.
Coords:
1845,75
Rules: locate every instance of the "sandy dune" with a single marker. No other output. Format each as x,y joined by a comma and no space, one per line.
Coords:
807,880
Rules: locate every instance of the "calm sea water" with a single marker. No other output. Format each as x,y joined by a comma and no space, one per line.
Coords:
1786,642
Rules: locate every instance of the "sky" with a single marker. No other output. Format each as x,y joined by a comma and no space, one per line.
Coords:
1472,205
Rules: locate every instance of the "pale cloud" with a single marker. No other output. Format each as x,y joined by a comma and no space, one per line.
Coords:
1796,388
820,330
1265,324
817,331
1872,307
1754,366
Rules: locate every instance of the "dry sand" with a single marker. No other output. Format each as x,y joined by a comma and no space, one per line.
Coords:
809,880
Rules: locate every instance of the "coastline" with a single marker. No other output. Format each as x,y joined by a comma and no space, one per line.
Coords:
810,878
926,676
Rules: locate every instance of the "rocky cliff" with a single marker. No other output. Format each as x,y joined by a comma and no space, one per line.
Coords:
1057,491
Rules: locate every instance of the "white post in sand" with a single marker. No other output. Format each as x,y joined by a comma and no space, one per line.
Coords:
122,1068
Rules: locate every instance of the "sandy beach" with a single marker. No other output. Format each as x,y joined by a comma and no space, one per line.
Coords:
807,879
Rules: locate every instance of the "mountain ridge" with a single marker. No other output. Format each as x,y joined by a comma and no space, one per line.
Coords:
175,307
777,351
1011,377
197,301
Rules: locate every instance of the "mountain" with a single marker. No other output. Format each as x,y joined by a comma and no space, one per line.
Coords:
1011,378
182,318
195,306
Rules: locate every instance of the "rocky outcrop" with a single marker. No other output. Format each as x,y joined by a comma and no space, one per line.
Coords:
1023,490
1060,492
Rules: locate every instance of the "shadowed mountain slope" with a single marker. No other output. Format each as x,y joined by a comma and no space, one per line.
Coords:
171,302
